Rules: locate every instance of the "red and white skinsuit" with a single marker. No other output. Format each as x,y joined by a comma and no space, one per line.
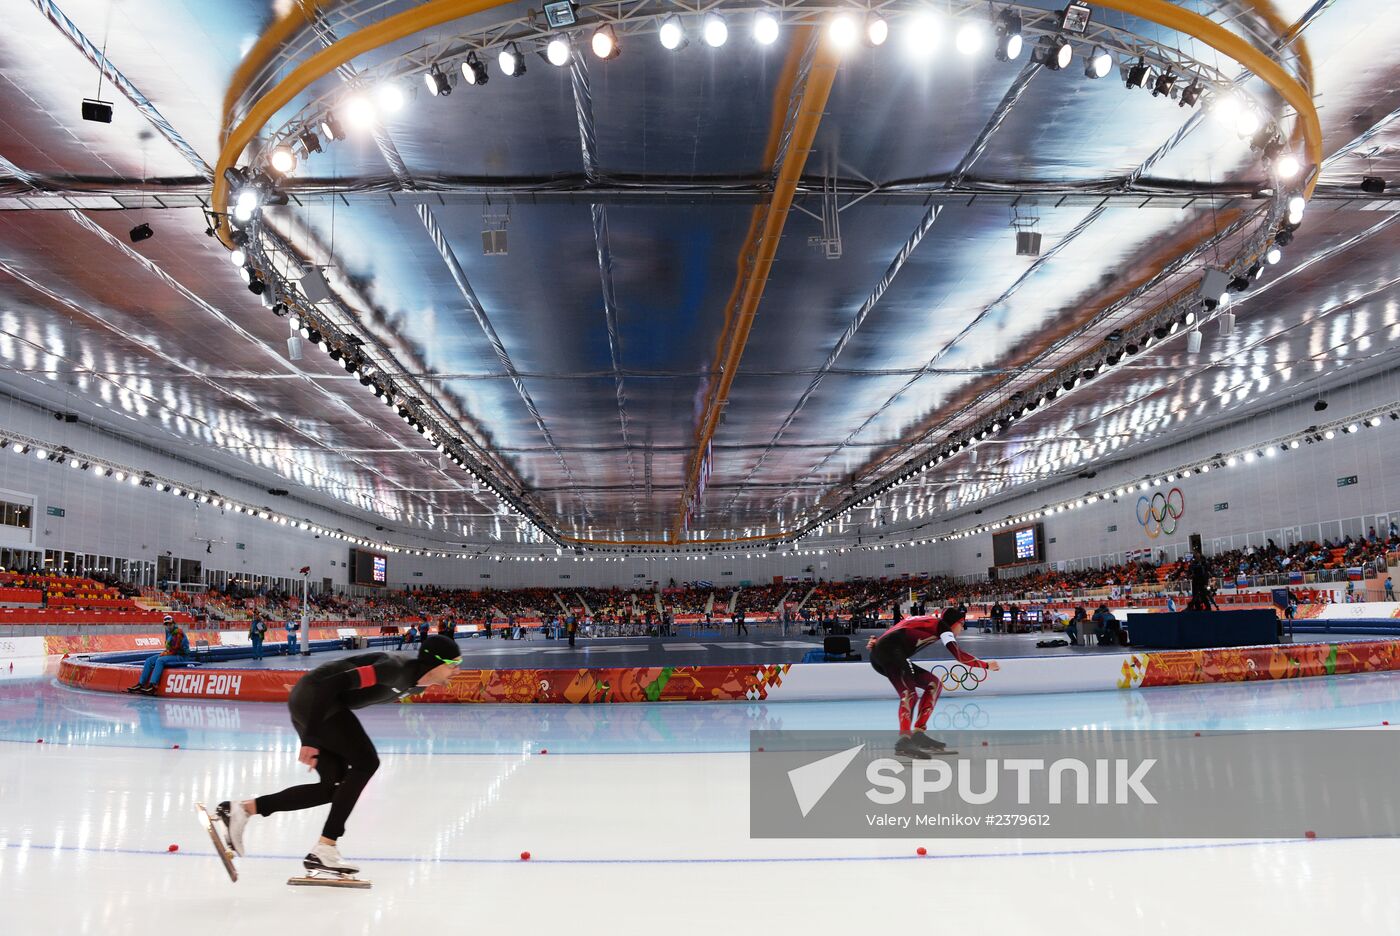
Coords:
890,655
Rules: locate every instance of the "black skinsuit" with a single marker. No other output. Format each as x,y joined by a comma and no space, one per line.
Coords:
321,704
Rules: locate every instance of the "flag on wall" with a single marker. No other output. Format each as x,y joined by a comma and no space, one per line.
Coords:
1295,577
1355,574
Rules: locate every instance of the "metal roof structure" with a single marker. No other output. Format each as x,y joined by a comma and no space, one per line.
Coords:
715,295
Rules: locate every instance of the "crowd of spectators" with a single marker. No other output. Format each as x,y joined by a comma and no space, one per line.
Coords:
861,599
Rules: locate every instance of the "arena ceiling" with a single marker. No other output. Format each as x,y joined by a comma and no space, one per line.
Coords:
579,367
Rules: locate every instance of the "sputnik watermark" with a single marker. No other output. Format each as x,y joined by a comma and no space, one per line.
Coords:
1076,784
1115,781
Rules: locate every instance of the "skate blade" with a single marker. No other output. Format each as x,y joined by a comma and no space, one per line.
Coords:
221,848
329,879
928,755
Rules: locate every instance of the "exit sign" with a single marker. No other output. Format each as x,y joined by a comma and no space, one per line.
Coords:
59,511
1341,482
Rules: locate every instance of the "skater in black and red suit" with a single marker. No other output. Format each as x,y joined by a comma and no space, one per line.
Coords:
890,655
333,742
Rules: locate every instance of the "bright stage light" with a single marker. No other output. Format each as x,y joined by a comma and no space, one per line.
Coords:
921,35
511,62
765,28
715,31
604,43
876,30
283,160
390,97
1099,65
1288,166
672,33
971,38
557,51
842,32
358,112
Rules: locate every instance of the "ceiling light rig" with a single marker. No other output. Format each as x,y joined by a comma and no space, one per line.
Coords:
1060,35
1184,317
311,326
1246,455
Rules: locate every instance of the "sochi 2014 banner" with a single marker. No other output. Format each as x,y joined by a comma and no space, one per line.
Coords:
576,686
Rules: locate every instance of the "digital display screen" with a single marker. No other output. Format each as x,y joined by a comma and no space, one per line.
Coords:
369,568
559,14
1019,546
1075,18
1025,544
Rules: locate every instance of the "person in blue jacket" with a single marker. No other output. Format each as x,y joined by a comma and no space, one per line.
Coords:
176,653
257,631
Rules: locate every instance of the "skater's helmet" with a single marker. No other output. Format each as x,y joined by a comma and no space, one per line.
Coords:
950,617
437,650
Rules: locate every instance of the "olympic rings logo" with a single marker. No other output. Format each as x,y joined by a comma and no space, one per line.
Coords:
1159,513
960,715
959,676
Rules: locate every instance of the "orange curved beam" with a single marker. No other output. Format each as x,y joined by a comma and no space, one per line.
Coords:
261,53
327,60
1222,40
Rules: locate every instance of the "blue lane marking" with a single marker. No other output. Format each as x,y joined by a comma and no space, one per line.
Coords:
807,859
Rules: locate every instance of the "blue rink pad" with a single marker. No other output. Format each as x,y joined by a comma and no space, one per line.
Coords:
37,707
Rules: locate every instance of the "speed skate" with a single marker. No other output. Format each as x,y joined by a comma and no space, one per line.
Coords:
316,877
221,847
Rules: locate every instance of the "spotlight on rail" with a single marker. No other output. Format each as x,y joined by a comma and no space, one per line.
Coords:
438,85
970,39
557,51
510,61
604,42
672,33
765,28
1009,38
1190,94
282,160
141,232
714,30
1054,52
842,31
1099,64
474,70
1136,76
390,97
877,30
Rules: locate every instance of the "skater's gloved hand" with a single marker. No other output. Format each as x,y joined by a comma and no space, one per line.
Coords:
308,755
871,644
993,665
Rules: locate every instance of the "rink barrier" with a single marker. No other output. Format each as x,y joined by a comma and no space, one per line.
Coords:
793,682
